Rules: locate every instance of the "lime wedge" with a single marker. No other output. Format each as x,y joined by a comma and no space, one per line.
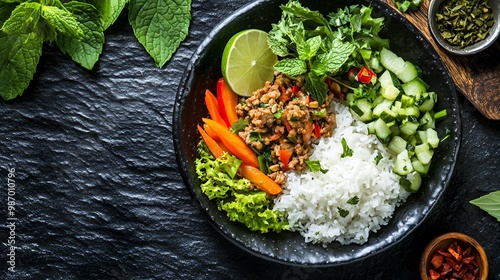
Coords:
248,62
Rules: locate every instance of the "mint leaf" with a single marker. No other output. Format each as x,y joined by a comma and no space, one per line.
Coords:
160,26
315,165
61,21
316,87
87,48
109,10
303,13
342,212
19,56
338,54
23,18
353,200
489,203
291,66
5,12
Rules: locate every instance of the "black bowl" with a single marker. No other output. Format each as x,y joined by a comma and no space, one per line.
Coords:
203,71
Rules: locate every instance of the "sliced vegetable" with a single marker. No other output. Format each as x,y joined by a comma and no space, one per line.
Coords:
212,145
213,108
259,179
211,133
285,156
234,143
365,75
227,101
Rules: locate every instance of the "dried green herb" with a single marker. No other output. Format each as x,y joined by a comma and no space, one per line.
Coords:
464,22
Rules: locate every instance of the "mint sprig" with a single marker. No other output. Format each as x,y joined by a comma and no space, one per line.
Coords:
77,27
316,47
489,203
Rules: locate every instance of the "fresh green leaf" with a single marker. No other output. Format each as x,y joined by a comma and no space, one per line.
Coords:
346,151
86,49
23,18
337,56
378,158
291,66
109,10
255,136
62,21
489,203
353,200
316,87
304,14
315,165
239,125
160,26
19,56
342,212
407,5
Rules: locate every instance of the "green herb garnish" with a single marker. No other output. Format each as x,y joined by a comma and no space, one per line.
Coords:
342,212
316,47
347,152
353,200
407,5
489,203
315,165
77,28
378,158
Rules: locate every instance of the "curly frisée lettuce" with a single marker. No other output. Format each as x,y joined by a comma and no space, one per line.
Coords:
234,195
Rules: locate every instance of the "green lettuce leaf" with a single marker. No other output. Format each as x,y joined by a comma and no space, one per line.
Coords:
489,203
84,49
19,56
160,26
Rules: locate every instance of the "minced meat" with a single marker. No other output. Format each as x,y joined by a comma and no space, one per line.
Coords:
281,116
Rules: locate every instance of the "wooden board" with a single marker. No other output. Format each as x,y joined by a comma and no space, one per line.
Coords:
476,76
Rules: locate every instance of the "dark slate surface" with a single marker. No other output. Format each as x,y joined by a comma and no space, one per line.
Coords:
98,194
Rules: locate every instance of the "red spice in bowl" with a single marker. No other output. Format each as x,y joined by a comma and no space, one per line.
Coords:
454,256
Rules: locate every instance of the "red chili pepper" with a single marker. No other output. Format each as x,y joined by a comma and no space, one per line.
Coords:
317,130
351,75
365,75
295,89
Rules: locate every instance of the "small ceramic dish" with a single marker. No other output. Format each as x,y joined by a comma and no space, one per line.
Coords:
444,242
472,49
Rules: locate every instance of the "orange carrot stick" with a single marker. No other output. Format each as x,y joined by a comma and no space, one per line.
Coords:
213,107
229,100
211,144
211,133
259,179
220,102
234,143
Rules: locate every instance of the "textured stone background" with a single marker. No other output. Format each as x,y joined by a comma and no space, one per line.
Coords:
99,196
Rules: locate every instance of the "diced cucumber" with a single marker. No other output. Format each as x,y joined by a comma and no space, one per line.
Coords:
427,104
382,130
419,166
422,134
407,101
385,79
408,112
390,92
407,73
403,165
391,61
432,138
363,108
424,153
409,128
365,54
375,64
396,106
371,127
427,121
414,88
411,182
397,144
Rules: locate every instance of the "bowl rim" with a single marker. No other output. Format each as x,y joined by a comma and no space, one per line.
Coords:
432,246
471,49
185,85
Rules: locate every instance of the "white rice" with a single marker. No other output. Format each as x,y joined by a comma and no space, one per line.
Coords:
311,200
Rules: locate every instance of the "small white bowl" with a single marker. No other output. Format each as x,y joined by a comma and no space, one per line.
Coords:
472,49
